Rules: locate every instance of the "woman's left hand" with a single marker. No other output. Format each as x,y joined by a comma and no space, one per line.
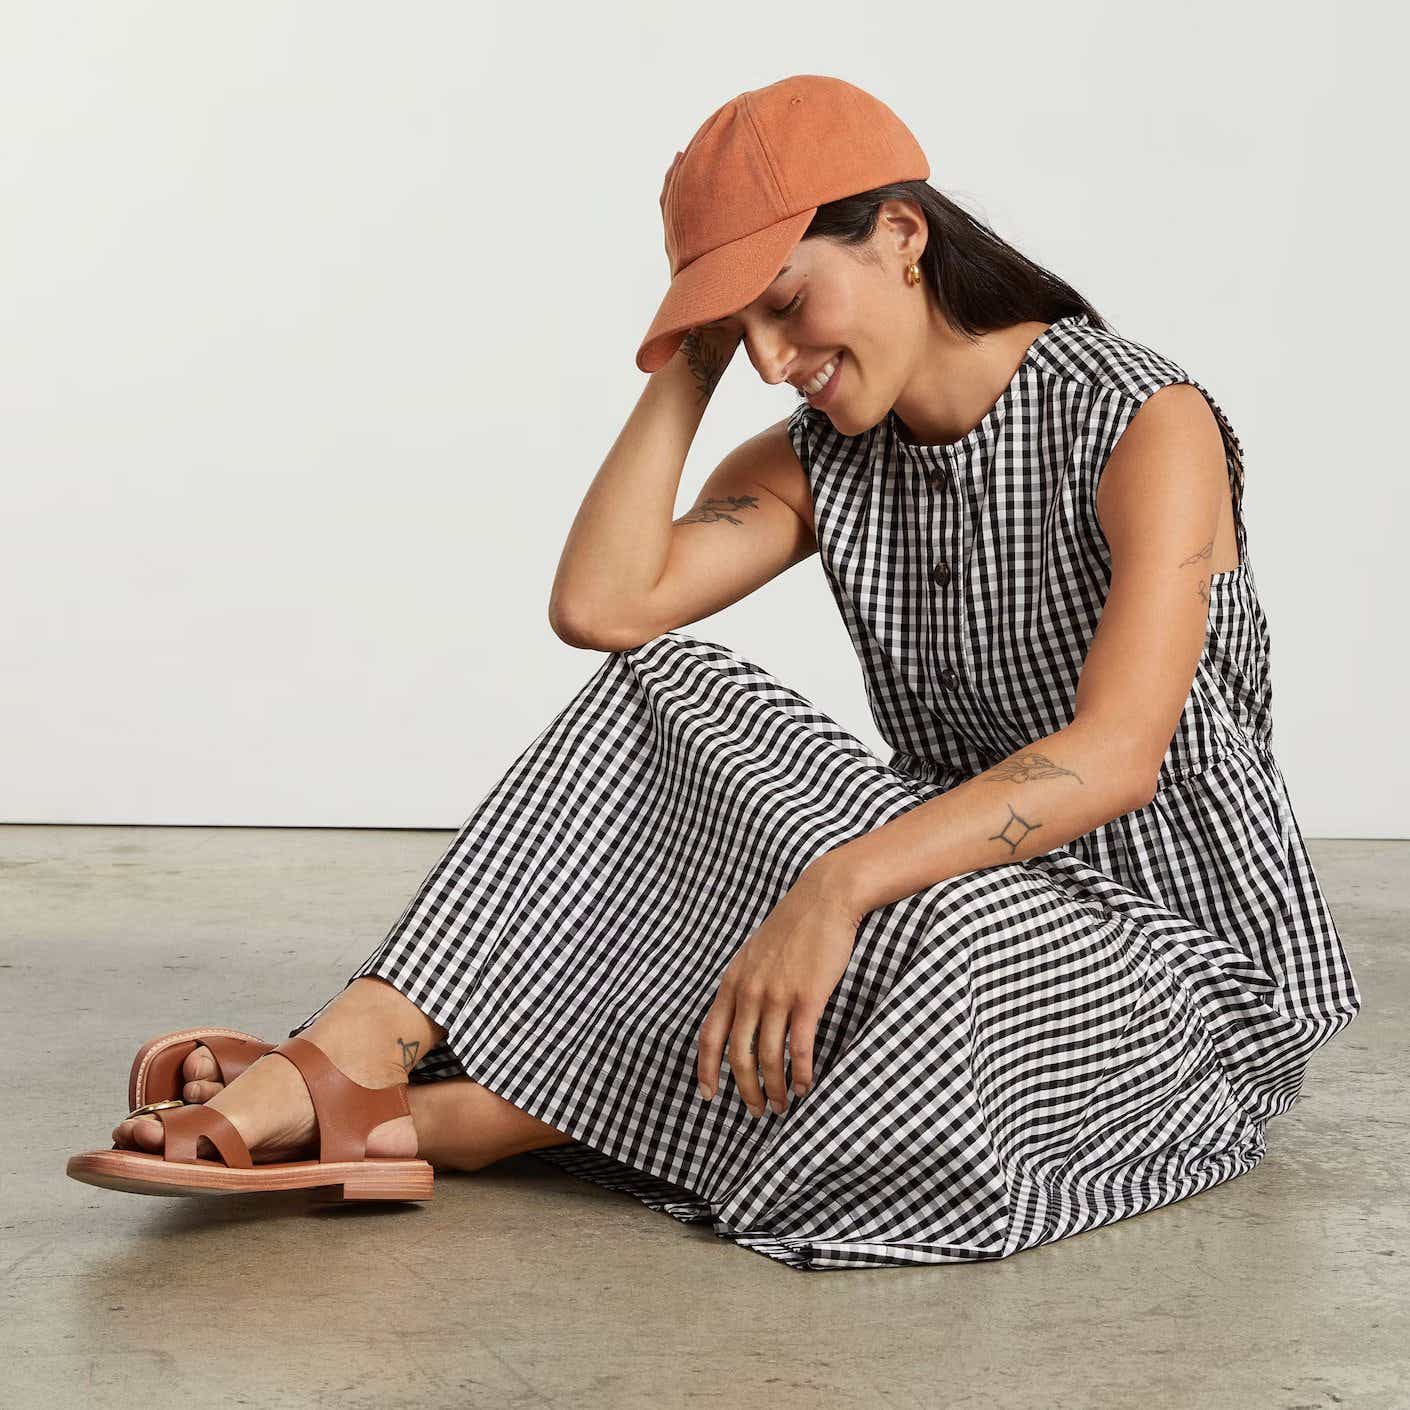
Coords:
778,984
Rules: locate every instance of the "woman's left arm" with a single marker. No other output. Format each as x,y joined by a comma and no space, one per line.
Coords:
1161,497
1160,503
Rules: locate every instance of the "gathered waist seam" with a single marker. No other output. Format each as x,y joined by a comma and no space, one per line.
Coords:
1244,751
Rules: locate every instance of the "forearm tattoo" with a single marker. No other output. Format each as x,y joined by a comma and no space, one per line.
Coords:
1022,768
705,361
717,511
1025,767
1022,827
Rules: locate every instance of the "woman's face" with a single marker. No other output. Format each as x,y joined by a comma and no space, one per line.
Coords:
832,299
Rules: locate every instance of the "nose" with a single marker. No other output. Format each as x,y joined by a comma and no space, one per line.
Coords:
771,355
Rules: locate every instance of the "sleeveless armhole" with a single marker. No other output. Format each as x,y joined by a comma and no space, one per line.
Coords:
1233,460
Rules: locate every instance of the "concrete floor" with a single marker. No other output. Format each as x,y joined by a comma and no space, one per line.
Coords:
521,1286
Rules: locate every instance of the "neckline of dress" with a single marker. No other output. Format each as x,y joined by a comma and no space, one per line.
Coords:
938,452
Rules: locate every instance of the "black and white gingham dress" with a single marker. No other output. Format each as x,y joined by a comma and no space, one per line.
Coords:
1014,1054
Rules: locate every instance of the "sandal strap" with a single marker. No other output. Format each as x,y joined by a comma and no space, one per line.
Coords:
346,1111
184,1127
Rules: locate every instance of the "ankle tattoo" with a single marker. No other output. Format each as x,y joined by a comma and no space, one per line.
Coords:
409,1052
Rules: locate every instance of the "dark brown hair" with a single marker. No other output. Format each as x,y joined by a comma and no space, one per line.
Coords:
982,282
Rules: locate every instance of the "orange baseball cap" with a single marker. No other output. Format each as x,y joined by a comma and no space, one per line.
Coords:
740,196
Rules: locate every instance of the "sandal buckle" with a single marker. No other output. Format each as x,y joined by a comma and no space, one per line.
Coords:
153,1106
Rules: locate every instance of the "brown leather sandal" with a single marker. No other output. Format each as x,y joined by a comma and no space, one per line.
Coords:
156,1070
345,1112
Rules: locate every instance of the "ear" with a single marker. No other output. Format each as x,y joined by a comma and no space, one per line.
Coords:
905,225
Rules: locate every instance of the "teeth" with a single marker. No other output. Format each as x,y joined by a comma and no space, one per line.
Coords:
823,377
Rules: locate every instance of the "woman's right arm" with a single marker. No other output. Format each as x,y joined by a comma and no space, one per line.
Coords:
628,571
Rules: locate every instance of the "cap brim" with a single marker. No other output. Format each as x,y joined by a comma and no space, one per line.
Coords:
718,283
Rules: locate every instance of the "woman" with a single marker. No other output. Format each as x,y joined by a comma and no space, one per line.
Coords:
1056,962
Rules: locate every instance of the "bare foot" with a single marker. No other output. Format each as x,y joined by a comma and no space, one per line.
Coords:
269,1104
200,1075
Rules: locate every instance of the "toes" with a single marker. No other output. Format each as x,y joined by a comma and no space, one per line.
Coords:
201,1091
142,1132
199,1065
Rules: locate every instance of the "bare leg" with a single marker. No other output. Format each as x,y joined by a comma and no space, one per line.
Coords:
464,1126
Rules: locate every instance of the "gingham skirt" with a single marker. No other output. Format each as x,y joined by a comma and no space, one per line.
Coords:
1007,1060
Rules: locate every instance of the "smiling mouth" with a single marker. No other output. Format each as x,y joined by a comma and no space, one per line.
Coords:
809,389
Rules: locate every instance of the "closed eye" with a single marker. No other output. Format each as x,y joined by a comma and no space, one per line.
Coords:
790,306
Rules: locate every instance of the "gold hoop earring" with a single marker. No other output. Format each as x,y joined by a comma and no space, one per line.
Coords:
913,274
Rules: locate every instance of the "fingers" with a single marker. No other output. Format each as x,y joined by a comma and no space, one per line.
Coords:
753,1030
772,1030
803,1032
732,1021
713,1033
743,1053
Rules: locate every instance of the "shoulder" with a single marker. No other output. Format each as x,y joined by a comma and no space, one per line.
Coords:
800,431
1142,397
1171,434
822,449
806,427
822,453
1102,360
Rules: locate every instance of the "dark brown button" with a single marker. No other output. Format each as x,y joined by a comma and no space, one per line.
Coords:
949,678
936,478
940,573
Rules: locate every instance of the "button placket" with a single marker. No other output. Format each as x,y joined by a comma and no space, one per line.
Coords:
966,527
942,479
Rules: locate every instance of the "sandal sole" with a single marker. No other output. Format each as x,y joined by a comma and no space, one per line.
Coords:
391,1178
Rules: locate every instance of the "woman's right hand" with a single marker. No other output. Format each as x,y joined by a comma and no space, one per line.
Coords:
707,352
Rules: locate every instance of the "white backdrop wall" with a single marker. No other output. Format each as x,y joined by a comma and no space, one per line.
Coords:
320,317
